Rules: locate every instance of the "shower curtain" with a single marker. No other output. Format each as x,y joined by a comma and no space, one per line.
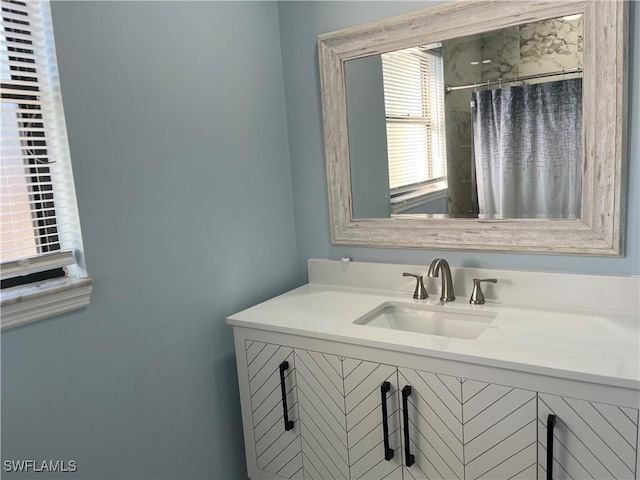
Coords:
528,150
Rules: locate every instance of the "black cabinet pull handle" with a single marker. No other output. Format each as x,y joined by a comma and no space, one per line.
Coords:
288,424
388,452
551,423
408,458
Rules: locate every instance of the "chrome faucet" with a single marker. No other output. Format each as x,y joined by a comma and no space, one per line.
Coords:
440,265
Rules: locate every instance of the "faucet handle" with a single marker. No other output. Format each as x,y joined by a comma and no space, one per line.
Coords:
477,297
420,292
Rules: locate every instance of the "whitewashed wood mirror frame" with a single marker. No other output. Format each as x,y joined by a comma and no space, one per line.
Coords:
600,229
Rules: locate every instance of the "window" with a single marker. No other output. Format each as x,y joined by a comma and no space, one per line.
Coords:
40,241
414,109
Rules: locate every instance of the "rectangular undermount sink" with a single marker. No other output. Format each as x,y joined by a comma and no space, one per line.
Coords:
430,319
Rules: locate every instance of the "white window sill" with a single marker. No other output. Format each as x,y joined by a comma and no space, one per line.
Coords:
37,301
419,196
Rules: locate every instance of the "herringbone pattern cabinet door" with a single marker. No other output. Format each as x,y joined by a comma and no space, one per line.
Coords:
340,408
363,402
590,440
435,425
464,429
278,451
499,431
322,415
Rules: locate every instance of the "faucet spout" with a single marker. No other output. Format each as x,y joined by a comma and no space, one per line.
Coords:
440,265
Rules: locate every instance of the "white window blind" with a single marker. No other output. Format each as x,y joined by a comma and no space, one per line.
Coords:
38,216
414,109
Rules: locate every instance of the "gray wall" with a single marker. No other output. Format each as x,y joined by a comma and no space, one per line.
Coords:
367,125
177,129
300,23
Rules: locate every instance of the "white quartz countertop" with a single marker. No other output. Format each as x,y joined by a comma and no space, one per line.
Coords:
585,344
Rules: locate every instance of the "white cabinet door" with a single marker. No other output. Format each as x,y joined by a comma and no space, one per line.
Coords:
334,427
460,428
342,430
434,418
277,446
322,415
373,439
589,439
499,431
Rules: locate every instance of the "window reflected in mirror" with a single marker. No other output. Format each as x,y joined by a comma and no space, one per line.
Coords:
414,112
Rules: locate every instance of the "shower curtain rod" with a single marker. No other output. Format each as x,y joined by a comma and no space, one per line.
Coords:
488,83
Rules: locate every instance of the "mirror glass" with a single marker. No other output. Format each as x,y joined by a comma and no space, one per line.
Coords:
481,126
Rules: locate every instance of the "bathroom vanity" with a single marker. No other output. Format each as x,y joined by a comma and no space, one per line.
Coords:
350,377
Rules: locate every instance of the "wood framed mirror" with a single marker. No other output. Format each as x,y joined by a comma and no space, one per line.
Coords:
597,227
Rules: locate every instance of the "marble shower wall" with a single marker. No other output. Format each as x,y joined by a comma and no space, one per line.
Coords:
458,54
535,48
502,48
